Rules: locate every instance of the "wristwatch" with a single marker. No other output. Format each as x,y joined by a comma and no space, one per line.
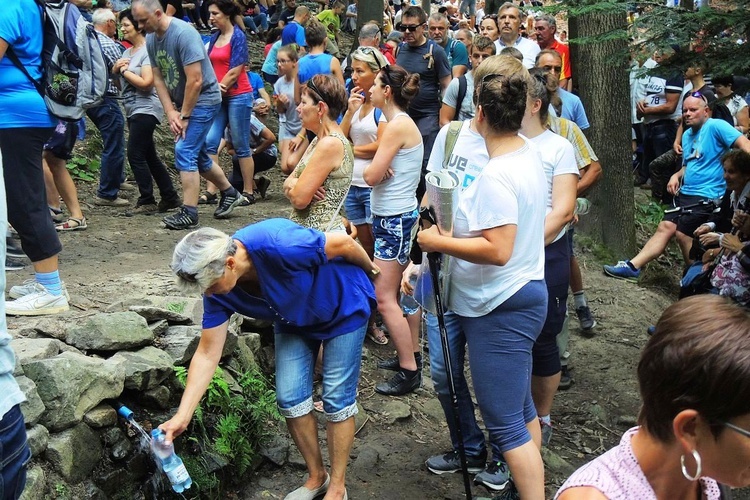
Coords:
183,117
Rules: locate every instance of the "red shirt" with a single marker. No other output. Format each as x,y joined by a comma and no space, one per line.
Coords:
564,52
220,61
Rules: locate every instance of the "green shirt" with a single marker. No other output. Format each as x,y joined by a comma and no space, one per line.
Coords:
329,19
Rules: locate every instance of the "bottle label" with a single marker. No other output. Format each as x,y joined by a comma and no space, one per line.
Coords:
178,475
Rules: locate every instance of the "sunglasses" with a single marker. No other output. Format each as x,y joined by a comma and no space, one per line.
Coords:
409,27
698,95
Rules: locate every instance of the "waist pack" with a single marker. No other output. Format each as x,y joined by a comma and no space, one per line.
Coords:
74,71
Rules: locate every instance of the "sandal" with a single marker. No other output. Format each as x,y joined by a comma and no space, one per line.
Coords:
207,199
56,214
73,224
318,406
377,335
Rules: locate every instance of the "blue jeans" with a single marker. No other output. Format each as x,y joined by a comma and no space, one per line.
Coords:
111,124
357,205
235,111
295,362
252,22
472,434
190,154
14,454
500,360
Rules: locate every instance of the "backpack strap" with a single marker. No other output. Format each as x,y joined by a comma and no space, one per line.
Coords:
461,95
17,62
450,140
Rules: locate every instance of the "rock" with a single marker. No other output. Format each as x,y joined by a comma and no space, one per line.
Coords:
295,459
101,416
113,481
180,342
74,453
33,407
213,462
366,462
182,310
598,412
556,463
120,450
93,492
138,465
125,305
244,353
111,332
51,327
72,384
275,450
255,325
159,326
365,353
36,483
433,410
393,411
38,438
145,368
30,349
267,359
627,420
157,397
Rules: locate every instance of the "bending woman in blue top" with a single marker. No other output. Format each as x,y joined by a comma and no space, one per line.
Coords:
316,289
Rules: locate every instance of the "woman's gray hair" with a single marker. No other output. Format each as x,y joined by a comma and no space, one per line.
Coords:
200,257
372,57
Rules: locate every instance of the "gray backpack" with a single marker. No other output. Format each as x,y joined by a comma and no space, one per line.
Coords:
74,72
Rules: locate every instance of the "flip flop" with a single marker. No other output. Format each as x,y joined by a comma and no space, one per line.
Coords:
381,339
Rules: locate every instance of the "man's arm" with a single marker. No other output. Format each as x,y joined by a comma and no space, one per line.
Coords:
589,176
667,108
742,143
193,84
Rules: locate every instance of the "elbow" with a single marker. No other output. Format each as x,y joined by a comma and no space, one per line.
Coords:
297,201
369,178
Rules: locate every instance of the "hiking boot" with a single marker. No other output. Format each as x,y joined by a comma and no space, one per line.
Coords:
167,205
565,379
586,319
546,432
495,476
180,220
32,286
622,270
451,462
13,249
126,186
263,183
227,203
14,264
392,363
145,209
39,303
399,384
117,202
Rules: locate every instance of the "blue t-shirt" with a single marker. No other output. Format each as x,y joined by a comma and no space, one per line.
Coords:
303,292
256,82
313,64
457,54
701,155
270,65
20,103
572,109
293,32
430,61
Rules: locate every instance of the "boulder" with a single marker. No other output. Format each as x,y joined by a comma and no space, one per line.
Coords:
275,449
247,347
101,416
255,325
71,384
30,349
144,369
51,327
38,438
157,397
159,326
74,453
33,407
36,484
180,342
111,332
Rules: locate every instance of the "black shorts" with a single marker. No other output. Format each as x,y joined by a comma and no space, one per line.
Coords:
688,220
62,140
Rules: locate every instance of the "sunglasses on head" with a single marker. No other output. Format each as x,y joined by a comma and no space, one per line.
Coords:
698,95
373,51
409,27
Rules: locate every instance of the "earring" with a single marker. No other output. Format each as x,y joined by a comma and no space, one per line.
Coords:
698,468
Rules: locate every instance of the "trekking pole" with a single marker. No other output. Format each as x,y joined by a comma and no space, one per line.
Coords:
433,259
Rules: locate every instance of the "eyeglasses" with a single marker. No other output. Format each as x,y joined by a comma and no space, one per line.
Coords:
739,430
409,27
311,86
374,52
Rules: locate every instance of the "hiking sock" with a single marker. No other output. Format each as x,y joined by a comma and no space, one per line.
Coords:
193,211
50,281
580,299
230,191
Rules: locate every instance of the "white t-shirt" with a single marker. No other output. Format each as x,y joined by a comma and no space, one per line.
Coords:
735,105
468,158
467,109
363,130
558,158
528,48
510,190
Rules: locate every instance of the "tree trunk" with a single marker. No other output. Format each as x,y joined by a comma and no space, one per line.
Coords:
369,10
605,93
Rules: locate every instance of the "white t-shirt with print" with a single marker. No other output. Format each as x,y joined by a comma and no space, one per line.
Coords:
468,158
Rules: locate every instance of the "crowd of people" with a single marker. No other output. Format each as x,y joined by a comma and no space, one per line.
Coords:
480,90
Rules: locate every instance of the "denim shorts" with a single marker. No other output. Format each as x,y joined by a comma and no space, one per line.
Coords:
357,205
393,236
295,363
235,112
190,153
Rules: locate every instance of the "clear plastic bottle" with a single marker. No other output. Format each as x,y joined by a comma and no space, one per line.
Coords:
582,206
408,303
170,463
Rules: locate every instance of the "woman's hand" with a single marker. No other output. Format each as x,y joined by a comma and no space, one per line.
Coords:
120,64
709,239
356,99
702,229
387,175
295,143
174,427
320,194
709,255
223,89
289,184
731,242
410,271
739,218
428,239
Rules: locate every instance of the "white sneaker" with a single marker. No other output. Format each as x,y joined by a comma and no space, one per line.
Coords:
37,304
32,286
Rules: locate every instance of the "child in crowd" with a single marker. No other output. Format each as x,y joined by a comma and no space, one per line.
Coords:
283,97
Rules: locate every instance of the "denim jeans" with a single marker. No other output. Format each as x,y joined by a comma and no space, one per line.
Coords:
145,162
252,22
500,346
14,454
235,111
472,434
111,124
295,362
357,205
190,154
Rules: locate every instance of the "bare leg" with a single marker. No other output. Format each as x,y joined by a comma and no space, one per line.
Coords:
685,242
64,184
576,280
216,175
340,439
191,184
304,431
415,322
543,391
527,469
656,245
47,265
53,196
247,167
386,291
536,432
366,239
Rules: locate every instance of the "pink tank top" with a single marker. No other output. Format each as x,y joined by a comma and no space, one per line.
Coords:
618,476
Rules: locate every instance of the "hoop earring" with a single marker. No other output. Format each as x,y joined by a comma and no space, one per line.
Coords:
698,469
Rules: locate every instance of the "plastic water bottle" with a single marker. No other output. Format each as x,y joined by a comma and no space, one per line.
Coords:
409,305
171,464
582,206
